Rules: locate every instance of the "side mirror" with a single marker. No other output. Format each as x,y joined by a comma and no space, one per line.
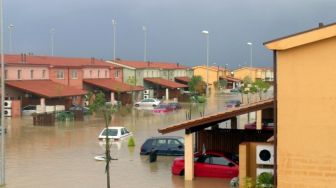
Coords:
180,147
231,165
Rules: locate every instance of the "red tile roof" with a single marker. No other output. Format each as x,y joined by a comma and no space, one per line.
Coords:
56,61
229,78
112,85
158,65
183,79
165,83
45,88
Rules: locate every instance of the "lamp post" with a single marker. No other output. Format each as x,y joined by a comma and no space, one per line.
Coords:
145,42
2,155
52,33
10,28
250,44
226,67
206,33
114,23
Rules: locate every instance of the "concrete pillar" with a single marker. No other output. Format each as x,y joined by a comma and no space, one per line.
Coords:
243,163
188,157
258,120
234,124
112,98
43,106
167,94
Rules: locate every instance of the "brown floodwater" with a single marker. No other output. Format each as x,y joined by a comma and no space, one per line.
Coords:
63,155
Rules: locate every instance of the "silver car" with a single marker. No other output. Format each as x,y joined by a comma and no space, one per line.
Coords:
148,103
28,110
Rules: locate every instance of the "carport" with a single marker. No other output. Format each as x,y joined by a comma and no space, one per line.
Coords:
220,139
164,87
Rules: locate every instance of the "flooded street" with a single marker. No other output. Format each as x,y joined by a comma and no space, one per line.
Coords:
63,155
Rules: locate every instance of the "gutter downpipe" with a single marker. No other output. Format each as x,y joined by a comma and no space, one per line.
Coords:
275,118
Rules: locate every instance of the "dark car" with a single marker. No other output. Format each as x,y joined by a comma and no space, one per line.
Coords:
232,103
164,145
265,126
79,108
174,105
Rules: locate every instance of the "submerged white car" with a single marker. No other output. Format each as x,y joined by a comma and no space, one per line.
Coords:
114,133
148,103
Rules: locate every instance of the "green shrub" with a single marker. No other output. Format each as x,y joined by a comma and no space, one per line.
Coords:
265,180
131,142
201,99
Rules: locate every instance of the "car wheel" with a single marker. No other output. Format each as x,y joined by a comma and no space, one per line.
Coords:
136,105
182,173
154,105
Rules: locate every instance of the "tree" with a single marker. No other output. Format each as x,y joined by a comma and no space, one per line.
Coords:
261,87
99,101
245,88
197,85
221,84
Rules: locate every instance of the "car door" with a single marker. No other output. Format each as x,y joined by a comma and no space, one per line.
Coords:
175,147
162,146
222,167
202,166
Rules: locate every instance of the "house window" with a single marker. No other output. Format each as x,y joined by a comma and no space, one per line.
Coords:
106,74
60,74
43,73
90,73
74,74
6,74
116,74
31,74
19,72
98,73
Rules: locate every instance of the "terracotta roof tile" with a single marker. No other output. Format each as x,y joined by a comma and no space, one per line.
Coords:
113,85
158,65
165,83
183,79
45,88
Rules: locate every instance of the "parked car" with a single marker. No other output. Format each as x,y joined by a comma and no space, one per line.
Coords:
210,164
265,126
175,105
28,110
232,103
162,108
148,103
235,90
163,145
80,108
114,133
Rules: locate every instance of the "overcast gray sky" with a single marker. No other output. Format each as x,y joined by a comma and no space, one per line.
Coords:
84,27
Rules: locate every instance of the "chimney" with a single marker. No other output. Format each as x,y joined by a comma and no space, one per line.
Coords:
177,64
22,59
320,24
92,60
25,58
148,63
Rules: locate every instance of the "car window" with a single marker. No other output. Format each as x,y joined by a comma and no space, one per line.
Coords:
161,142
110,132
122,131
181,140
203,159
126,131
218,160
173,143
151,100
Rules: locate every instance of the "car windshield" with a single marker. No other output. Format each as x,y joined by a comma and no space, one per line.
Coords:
181,140
111,132
162,106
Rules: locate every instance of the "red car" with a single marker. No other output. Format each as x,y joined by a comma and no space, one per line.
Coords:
265,126
162,108
211,164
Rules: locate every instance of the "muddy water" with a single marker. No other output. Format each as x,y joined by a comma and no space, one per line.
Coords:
62,156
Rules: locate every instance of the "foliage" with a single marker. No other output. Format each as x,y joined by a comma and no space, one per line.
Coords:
261,87
62,116
131,81
221,84
197,86
248,182
131,142
98,102
201,99
265,180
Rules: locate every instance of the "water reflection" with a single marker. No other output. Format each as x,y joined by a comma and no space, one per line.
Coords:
63,155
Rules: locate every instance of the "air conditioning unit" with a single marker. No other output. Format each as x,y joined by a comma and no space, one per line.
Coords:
7,104
146,92
264,170
265,154
8,112
146,96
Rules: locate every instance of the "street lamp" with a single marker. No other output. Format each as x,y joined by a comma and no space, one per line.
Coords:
114,23
2,154
250,44
226,67
206,33
145,42
52,33
10,28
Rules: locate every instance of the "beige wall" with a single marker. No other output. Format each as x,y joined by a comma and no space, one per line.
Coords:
307,115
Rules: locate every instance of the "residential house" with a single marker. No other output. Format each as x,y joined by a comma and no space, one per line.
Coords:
262,73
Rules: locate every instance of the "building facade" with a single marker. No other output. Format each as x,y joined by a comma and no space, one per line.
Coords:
262,73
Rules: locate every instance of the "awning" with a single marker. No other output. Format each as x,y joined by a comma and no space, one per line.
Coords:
231,79
45,88
112,85
183,79
210,120
165,83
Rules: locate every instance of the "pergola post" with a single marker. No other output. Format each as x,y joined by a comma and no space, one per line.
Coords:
43,106
112,98
258,120
167,94
188,157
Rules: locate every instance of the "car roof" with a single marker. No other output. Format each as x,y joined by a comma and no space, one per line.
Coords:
158,137
115,127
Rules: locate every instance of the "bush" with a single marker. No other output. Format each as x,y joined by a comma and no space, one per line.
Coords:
131,142
201,99
265,180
